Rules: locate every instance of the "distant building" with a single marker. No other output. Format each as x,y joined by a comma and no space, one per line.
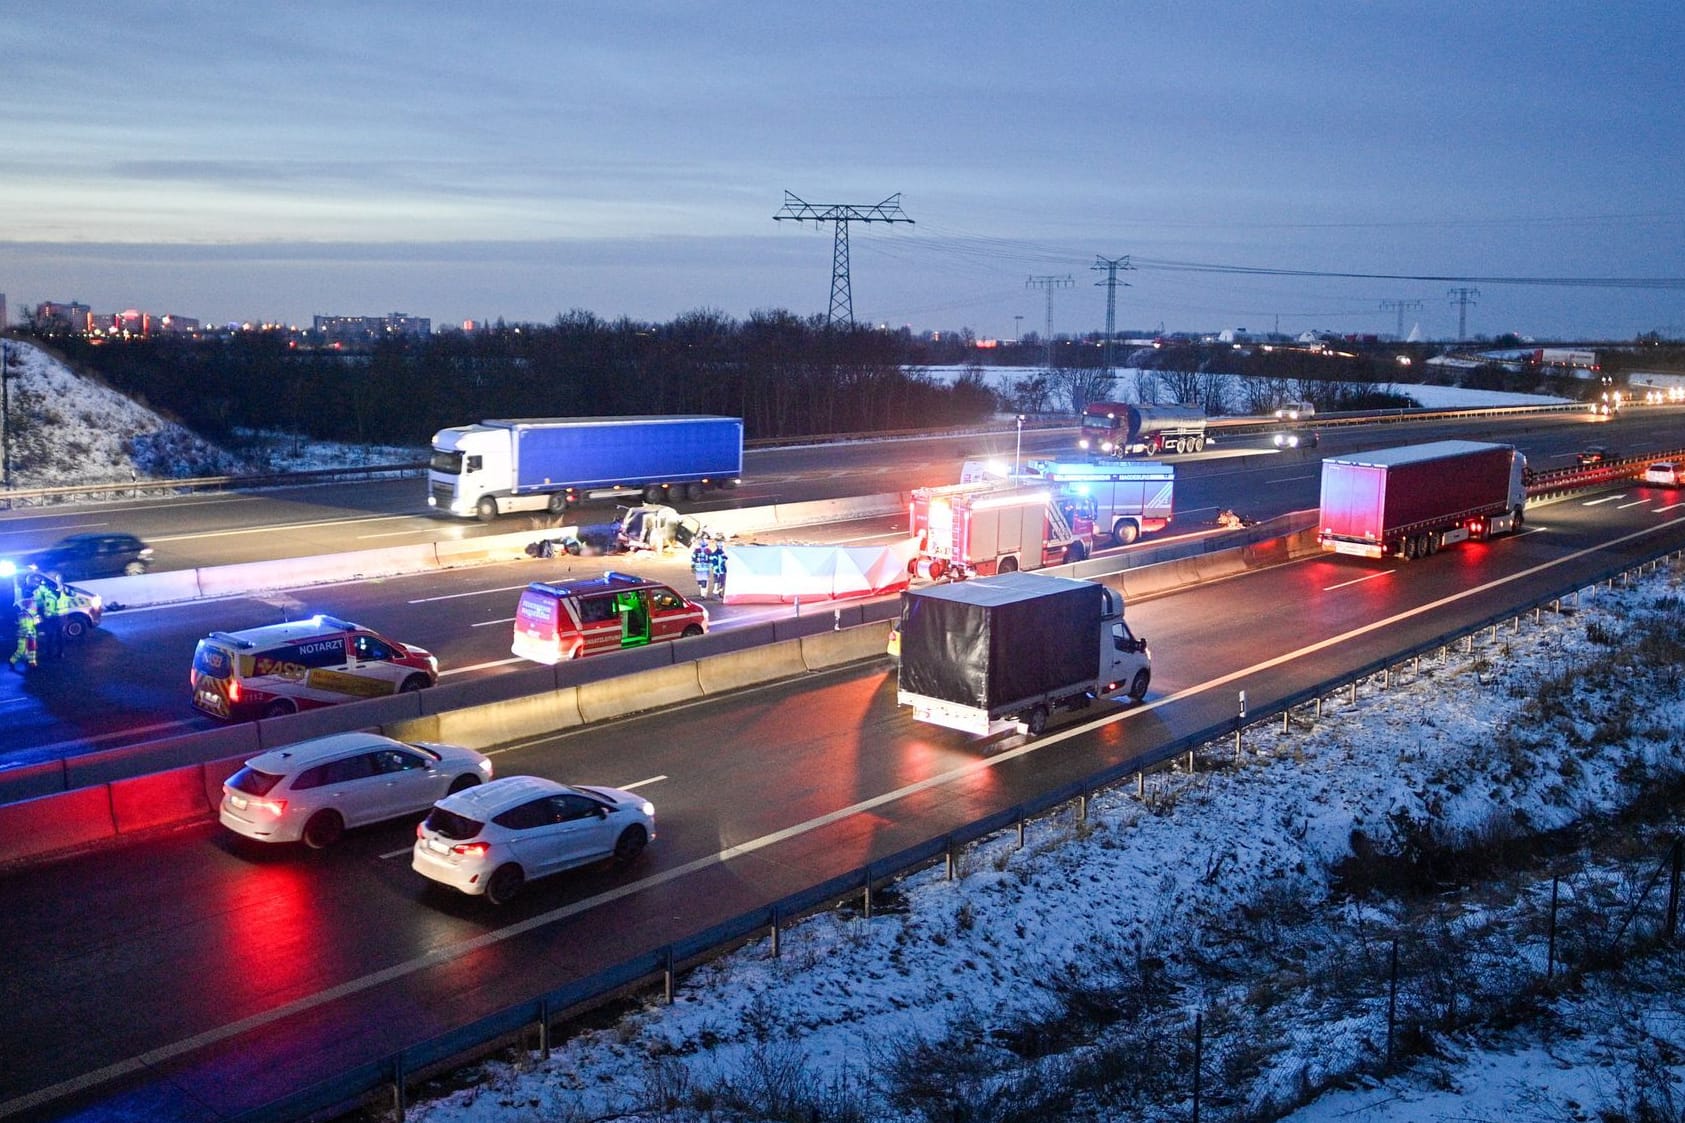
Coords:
72,316
369,329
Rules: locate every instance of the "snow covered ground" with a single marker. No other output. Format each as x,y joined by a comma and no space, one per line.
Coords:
1081,961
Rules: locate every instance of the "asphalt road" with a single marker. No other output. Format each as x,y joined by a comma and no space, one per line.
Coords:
187,977
128,682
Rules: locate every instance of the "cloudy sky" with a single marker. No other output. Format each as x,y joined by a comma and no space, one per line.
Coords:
521,159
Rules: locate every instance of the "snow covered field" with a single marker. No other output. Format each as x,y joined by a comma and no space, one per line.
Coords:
1063,980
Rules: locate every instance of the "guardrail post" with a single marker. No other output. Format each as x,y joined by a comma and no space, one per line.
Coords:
1319,707
1286,721
1354,692
948,861
1493,636
868,905
667,977
400,1100
775,948
1191,757
544,1028
1020,832
1140,785
1082,807
1386,677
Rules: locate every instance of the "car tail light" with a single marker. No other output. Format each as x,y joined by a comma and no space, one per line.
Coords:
233,690
273,807
471,849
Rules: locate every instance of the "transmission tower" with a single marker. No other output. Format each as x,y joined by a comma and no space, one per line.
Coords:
1111,265
842,297
1401,305
1050,283
1462,298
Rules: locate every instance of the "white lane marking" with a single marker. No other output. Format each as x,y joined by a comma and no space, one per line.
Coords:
1605,499
56,530
1290,479
277,526
489,623
1634,503
446,954
482,666
474,593
1358,580
1669,507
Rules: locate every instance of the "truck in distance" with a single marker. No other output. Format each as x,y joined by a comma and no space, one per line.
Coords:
1005,652
1409,502
550,463
1118,429
986,527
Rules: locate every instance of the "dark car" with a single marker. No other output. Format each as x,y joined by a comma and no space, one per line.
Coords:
82,556
1596,454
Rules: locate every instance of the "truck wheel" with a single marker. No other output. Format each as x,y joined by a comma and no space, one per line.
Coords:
1125,532
1007,565
693,492
1138,687
1199,444
1036,721
1074,553
1515,527
558,503
486,509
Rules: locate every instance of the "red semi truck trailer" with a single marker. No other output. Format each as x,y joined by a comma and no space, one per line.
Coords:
1408,502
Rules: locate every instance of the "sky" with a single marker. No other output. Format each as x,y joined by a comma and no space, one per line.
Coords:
273,162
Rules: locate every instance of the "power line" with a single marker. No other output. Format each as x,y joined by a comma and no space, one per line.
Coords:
842,293
1050,283
1661,283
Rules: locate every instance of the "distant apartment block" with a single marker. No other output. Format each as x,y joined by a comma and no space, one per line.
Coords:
71,316
368,329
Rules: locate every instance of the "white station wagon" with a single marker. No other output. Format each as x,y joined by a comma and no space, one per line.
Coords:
313,791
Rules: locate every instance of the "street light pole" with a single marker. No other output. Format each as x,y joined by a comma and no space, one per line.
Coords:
1018,448
5,418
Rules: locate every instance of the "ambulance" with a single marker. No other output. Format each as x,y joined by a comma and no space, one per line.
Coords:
281,669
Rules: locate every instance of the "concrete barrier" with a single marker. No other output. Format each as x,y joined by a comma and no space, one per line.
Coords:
289,573
213,773
496,723
721,674
155,756
147,588
52,823
160,799
457,552
28,781
851,645
631,694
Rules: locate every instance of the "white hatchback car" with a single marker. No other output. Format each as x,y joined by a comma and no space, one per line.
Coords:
314,790
493,839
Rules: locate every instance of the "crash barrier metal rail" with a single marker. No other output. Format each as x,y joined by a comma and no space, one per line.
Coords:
393,1075
1591,475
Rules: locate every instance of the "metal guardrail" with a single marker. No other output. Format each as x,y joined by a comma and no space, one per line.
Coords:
540,1013
1238,426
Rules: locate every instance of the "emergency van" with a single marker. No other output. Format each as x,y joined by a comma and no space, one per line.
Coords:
302,665
559,620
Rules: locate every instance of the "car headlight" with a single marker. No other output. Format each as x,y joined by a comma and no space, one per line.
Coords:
649,809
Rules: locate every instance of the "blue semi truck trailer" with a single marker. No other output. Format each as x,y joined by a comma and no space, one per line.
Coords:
551,463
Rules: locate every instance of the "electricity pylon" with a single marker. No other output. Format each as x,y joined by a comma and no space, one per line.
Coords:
1111,265
1049,282
1462,298
842,296
1401,305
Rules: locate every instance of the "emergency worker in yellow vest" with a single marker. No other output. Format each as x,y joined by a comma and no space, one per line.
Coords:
24,657
50,605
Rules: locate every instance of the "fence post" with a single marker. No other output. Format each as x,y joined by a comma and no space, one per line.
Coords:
1392,1001
1199,1048
400,1099
1550,949
1673,888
